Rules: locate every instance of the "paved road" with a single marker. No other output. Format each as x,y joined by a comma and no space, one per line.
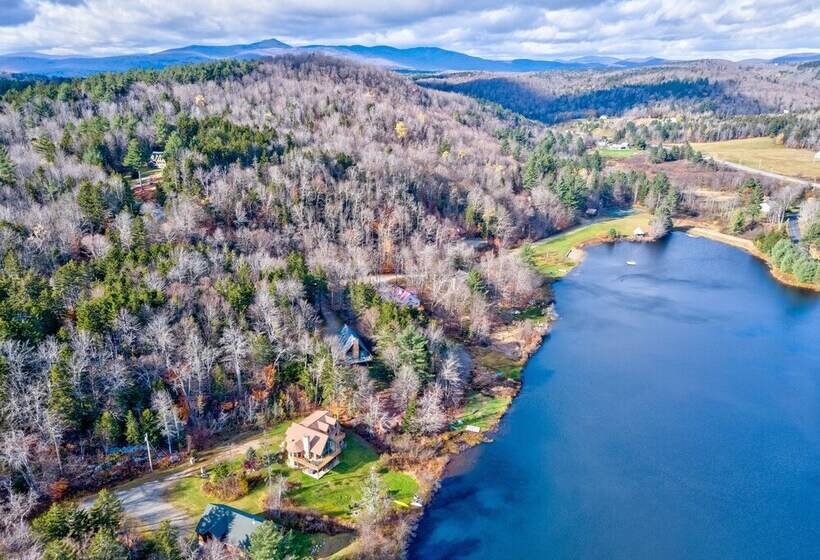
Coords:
768,174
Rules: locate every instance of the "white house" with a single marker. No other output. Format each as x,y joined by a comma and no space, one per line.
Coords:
817,156
157,160
639,232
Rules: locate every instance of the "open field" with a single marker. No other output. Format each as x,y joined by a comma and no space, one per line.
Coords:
764,154
551,253
610,153
334,494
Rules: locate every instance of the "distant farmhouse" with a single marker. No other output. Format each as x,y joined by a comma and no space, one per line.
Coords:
619,146
230,526
355,351
314,444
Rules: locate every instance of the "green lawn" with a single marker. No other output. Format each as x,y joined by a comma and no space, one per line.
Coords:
766,154
551,253
334,494
482,411
610,153
498,362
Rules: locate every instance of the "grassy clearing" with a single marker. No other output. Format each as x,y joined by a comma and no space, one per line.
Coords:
617,154
765,154
551,253
498,362
482,411
334,494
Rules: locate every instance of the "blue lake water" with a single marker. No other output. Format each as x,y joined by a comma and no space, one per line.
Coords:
674,412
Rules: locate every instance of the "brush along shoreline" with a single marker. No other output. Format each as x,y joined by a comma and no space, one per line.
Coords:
576,255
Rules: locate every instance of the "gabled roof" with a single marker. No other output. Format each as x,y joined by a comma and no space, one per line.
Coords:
229,525
316,427
347,337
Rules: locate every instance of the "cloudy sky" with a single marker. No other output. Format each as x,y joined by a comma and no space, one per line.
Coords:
547,29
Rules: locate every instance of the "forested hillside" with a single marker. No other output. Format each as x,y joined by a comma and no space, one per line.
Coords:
721,88
177,245
181,300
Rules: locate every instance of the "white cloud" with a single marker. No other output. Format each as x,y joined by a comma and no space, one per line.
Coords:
668,28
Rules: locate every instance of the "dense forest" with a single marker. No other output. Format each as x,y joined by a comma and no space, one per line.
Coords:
173,242
719,88
172,302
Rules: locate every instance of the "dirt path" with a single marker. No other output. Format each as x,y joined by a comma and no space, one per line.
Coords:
145,500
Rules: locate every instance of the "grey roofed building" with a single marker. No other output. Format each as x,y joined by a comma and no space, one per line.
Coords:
354,349
228,525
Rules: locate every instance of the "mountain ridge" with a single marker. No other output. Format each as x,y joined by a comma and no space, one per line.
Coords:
433,59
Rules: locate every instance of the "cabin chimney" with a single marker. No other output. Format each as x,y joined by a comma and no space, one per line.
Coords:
306,445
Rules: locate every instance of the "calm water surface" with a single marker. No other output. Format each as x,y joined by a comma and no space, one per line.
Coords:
674,412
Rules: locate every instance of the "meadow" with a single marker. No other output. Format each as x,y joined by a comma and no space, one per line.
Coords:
765,154
551,253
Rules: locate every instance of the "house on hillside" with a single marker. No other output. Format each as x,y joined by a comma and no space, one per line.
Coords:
230,526
314,444
354,349
400,296
157,160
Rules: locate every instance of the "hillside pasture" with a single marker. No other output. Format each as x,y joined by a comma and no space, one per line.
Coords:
764,154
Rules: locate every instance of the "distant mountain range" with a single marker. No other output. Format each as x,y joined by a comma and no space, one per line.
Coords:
412,59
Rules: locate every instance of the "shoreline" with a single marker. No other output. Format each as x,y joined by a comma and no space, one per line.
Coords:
709,231
577,255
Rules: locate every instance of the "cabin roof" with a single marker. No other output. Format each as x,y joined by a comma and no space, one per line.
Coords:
347,336
317,428
229,525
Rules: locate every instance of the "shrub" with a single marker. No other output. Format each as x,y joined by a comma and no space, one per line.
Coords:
58,489
766,241
227,488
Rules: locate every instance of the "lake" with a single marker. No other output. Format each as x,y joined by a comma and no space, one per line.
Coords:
672,413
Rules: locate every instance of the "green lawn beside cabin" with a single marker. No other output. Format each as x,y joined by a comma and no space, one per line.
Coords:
334,494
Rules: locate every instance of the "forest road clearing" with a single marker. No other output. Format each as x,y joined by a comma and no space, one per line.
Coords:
145,502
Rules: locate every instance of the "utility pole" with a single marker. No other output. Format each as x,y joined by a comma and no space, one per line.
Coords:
148,447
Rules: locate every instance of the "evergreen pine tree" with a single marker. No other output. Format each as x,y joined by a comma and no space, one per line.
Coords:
134,156
105,546
150,427
91,201
269,543
106,511
63,400
60,550
166,543
132,429
8,176
108,429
